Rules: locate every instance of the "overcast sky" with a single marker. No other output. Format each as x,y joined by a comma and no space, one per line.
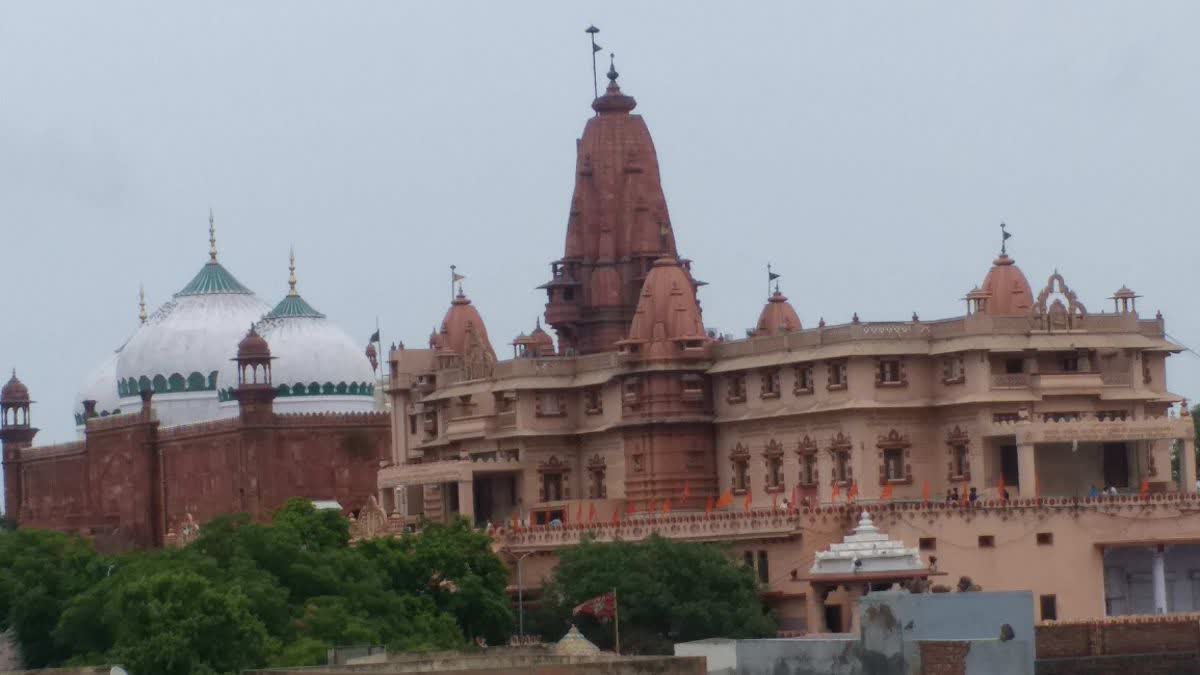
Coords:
868,150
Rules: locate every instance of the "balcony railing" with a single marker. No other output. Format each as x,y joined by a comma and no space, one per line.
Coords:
1010,380
1117,379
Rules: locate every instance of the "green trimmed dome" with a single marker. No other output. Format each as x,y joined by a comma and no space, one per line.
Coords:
294,306
212,279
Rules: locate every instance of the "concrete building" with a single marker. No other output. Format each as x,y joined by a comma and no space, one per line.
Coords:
639,420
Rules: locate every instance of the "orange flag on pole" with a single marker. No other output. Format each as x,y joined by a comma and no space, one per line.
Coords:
833,496
852,493
925,492
746,502
726,499
708,505
667,505
687,489
887,492
1144,489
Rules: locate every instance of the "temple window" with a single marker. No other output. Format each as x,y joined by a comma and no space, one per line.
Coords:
740,464
593,401
953,370
1069,363
693,386
959,451
804,380
837,375
894,466
808,470
736,389
549,404
890,373
770,383
504,401
839,449
633,390
1146,378
553,485
1049,606
1014,366
568,294
764,571
596,474
774,461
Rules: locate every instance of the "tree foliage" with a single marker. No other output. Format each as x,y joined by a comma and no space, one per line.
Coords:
247,595
667,592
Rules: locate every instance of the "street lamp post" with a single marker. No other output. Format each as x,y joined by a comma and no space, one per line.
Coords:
521,597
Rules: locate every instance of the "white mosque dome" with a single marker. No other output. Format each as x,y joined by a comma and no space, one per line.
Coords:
100,386
183,346
316,366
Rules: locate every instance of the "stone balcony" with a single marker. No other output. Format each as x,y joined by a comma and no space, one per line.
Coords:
757,524
1088,428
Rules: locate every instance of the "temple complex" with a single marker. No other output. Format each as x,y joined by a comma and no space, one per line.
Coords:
1028,443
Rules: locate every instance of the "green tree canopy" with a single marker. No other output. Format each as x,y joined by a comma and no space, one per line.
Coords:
667,592
247,595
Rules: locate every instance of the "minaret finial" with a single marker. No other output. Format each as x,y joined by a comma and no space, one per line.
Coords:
142,303
612,69
292,271
212,237
1004,235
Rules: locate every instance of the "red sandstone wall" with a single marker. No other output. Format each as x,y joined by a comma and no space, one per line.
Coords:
52,497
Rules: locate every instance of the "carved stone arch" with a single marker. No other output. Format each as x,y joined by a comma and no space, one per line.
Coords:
958,465
896,444
807,446
1057,305
739,464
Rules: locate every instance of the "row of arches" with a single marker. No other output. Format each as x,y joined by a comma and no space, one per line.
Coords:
313,389
173,383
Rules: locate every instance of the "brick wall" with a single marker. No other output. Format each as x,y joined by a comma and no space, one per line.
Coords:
1142,664
1179,633
944,658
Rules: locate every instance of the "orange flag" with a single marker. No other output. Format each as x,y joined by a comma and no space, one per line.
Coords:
746,502
687,489
1144,488
726,499
708,505
837,492
667,505
616,516
592,513
630,506
925,492
852,493
887,492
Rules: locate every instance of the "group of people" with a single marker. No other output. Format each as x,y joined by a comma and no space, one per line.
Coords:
972,496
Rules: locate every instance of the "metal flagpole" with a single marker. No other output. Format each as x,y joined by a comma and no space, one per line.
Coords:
592,30
452,273
617,621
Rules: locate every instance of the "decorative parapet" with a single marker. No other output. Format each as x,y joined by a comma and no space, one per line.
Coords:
326,419
688,527
121,421
1089,428
53,451
168,434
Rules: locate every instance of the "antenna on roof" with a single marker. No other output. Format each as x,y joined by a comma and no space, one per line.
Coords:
592,30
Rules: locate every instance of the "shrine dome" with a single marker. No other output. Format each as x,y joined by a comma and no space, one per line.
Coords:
1008,291
461,327
182,346
316,366
667,322
14,391
777,317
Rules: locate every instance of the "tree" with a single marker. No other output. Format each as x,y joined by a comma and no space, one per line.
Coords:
40,572
667,592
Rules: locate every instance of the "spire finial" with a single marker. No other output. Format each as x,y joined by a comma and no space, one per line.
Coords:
142,303
612,68
212,237
1004,235
292,271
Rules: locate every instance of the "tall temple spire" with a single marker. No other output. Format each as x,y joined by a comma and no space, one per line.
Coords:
212,237
142,316
292,271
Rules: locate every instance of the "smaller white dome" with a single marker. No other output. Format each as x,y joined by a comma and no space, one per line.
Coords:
316,366
100,386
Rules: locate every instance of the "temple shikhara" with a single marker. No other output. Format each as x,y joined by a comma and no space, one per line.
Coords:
1030,443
